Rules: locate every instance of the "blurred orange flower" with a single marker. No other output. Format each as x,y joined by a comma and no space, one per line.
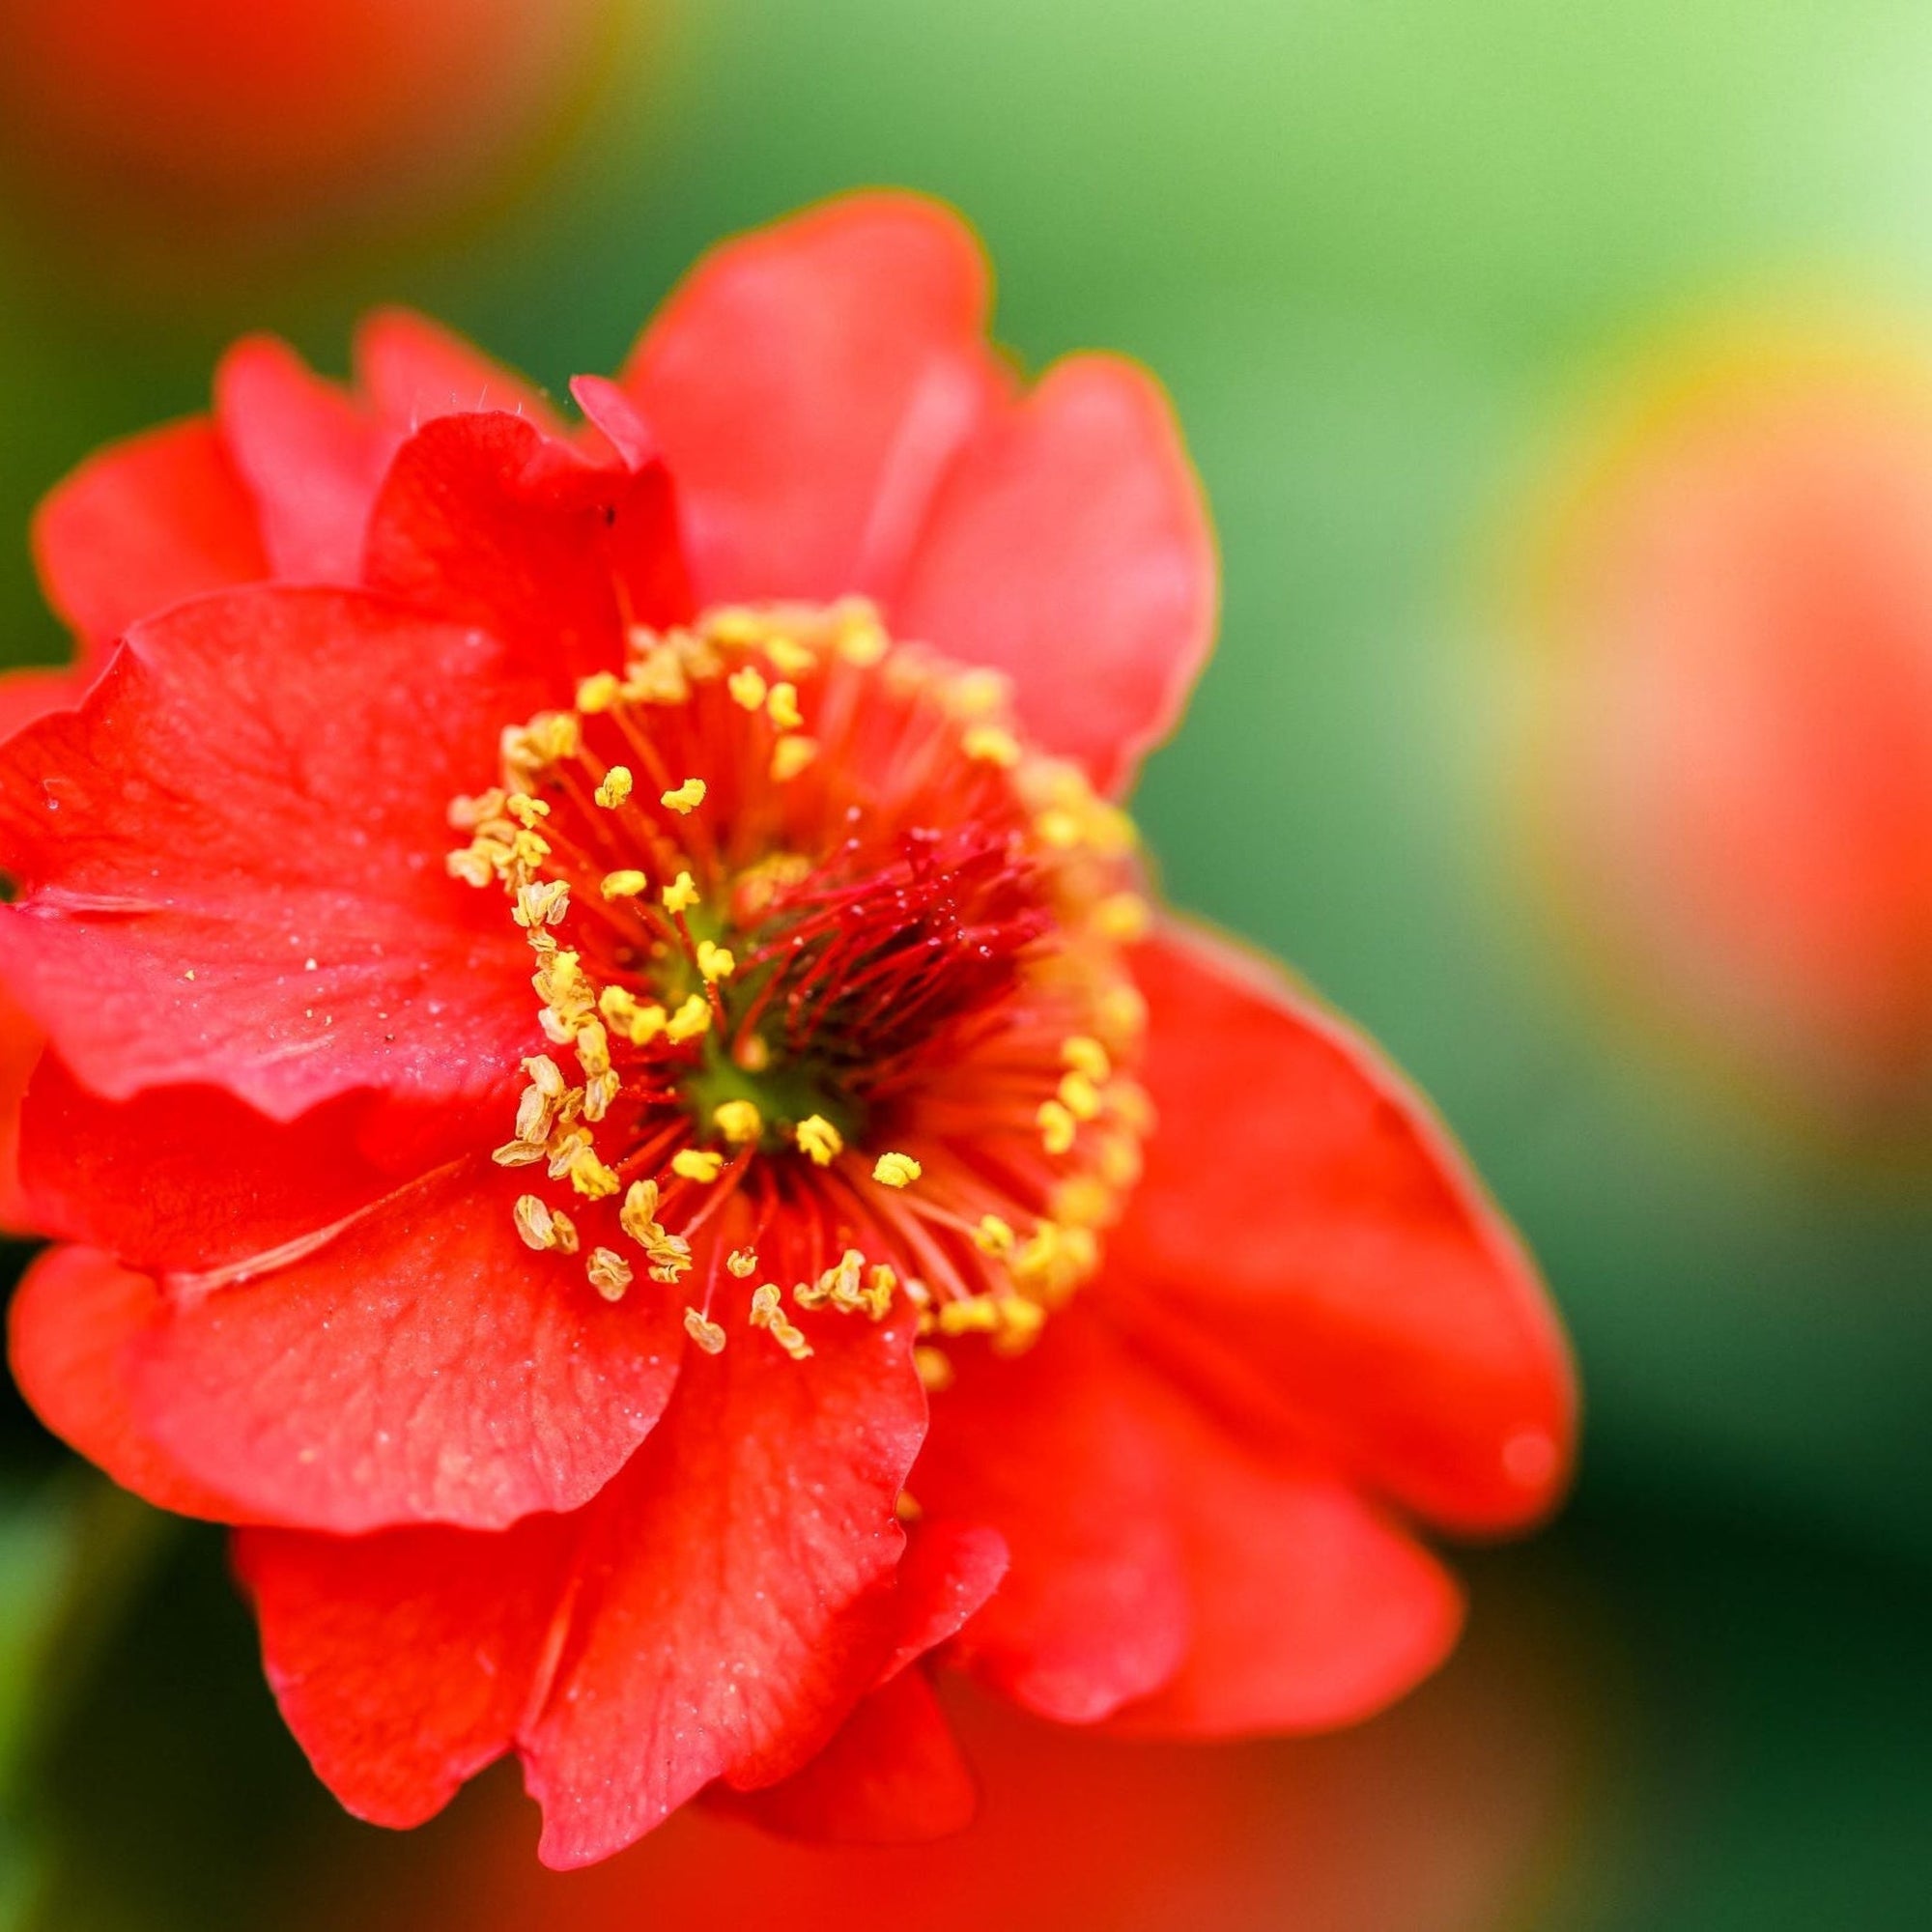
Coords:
1733,775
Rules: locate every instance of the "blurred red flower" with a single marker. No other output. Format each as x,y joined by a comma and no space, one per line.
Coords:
1734,735
194,113
883,1235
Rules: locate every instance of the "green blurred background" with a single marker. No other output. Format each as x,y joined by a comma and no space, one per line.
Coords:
1384,256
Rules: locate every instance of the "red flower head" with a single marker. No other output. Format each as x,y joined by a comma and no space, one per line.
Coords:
1734,776
636,1127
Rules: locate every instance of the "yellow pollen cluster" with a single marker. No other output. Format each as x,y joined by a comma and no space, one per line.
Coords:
1015,1180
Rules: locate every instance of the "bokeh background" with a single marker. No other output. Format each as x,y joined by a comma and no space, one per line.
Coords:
1559,380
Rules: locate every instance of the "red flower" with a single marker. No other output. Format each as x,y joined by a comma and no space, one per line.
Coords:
869,1155
1734,778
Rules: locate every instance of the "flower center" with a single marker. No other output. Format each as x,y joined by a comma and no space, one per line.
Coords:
825,956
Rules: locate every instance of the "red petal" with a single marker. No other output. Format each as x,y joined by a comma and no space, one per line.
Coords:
1070,548
405,1662
716,1612
486,521
261,779
188,1178
1308,1610
413,370
310,456
1309,1253
810,383
1052,1449
143,525
21,1044
418,1365
73,1320
893,1775
949,1570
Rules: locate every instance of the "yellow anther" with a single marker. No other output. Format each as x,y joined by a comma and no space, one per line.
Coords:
742,1263
980,694
767,1313
790,756
714,962
1132,1104
882,1283
1083,1201
934,1367
691,1018
610,1273
975,1314
739,1121
732,625
1021,1324
861,637
895,1170
1086,1055
474,864
598,691
1059,828
465,814
746,686
687,797
657,678
993,1236
820,1139
1123,917
1122,1014
591,1178
680,896
638,1215
991,745
526,811
790,657
708,1335
907,1509
626,883
600,1090
537,1114
543,902
697,1163
782,707
1056,1127
615,788
1120,1160
516,1153
542,1226
1079,1096
593,1047
546,1077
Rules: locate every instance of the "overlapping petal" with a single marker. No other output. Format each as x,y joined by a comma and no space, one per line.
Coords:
232,857
715,1612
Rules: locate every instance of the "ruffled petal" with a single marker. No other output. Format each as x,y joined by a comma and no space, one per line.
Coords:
1307,1608
809,385
417,1363
1051,1449
232,858
1070,547
412,370
1309,1254
310,455
74,1319
484,519
147,522
893,1775
717,1611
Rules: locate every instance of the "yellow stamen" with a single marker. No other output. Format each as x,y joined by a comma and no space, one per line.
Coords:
990,745
1056,1127
1079,1096
610,1273
714,962
708,1335
687,797
747,687
934,1367
680,896
993,1236
542,1226
782,706
820,1139
615,788
691,1018
897,1170
738,1121
624,884
697,1163
1123,917
1086,1055
790,756
742,1263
